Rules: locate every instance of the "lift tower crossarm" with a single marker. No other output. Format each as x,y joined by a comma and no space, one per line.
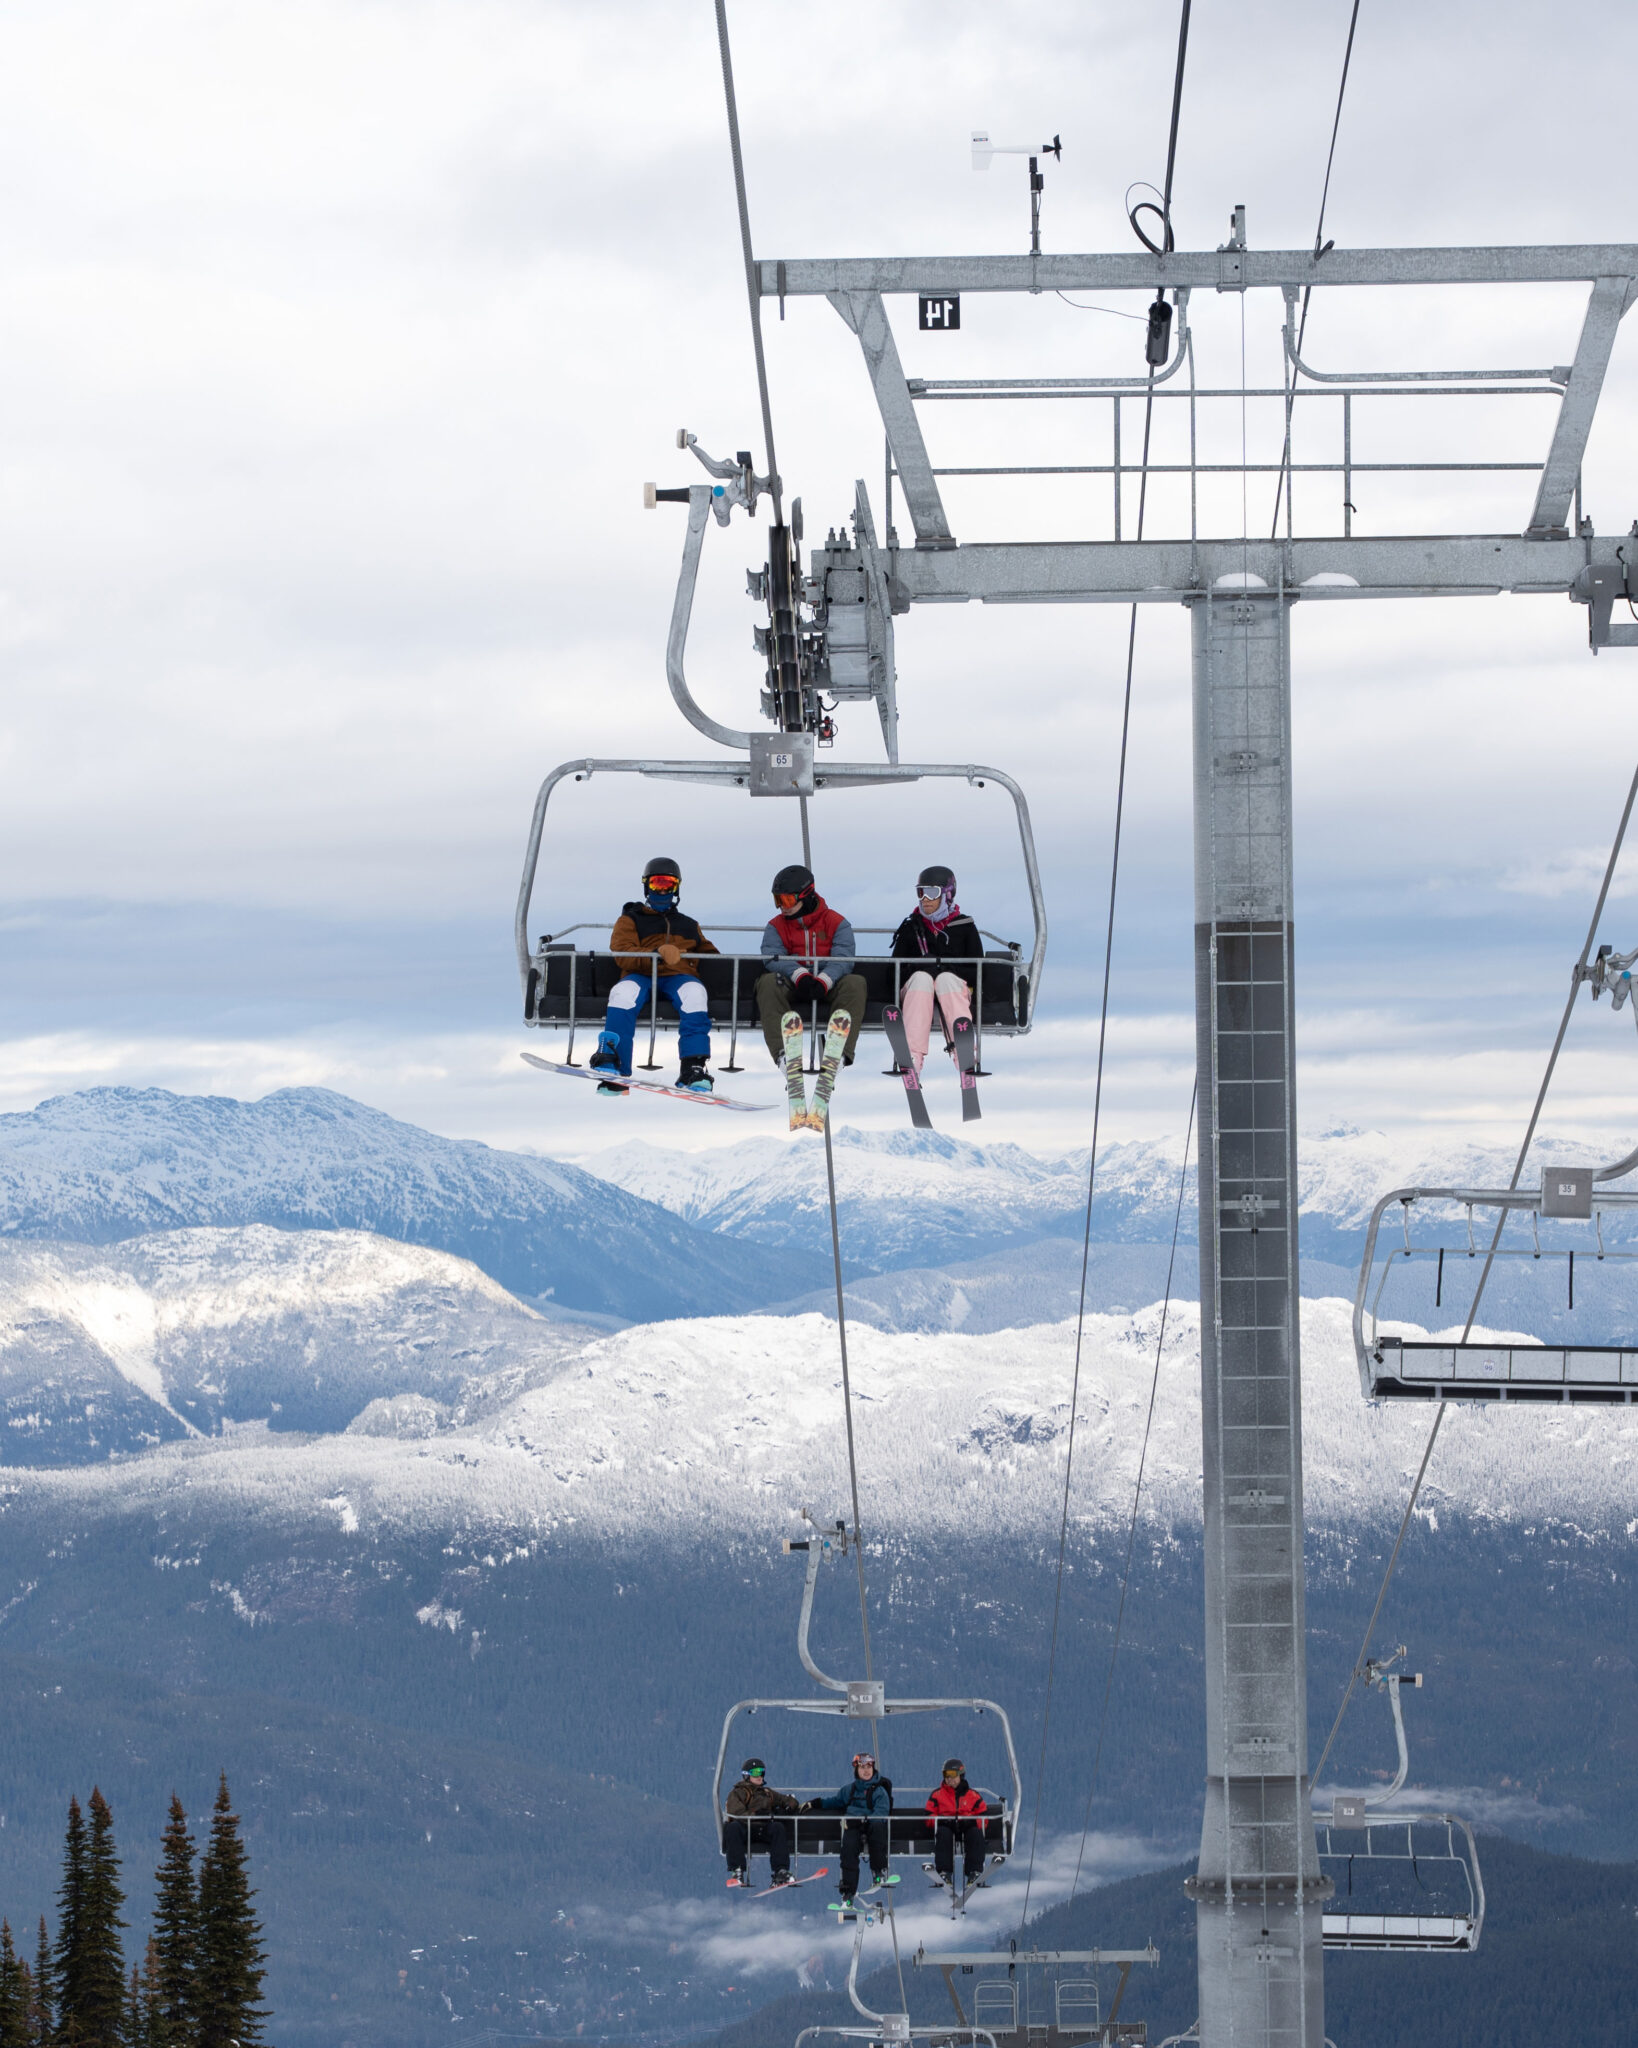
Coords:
1173,571
1226,269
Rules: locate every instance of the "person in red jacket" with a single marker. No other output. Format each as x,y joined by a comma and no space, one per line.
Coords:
958,1812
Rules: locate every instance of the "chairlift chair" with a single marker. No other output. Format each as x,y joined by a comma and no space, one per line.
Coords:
910,1827
1077,2019
1396,1367
890,2029
567,982
1371,1845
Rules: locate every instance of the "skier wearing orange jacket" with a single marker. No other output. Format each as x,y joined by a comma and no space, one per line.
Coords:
958,1812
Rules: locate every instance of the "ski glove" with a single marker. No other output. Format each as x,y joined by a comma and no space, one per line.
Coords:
810,988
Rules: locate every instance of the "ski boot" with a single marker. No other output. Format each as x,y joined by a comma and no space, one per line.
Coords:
738,1880
780,1877
606,1060
693,1073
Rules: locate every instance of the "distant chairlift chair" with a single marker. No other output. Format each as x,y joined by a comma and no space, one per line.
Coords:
910,1828
1376,1853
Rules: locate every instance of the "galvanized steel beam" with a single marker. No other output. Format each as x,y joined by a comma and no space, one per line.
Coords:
867,316
1166,571
1220,269
1258,1889
1611,296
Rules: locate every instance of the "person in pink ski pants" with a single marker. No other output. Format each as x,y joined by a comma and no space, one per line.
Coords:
936,932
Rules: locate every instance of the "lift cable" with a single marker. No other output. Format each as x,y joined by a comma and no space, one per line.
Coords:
1490,1256
752,293
1283,481
1103,1023
1137,1490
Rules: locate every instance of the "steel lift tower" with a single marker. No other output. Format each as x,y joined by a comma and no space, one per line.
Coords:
1258,1890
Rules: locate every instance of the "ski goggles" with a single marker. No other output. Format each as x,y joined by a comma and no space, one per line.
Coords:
662,885
863,1759
786,901
758,1774
929,888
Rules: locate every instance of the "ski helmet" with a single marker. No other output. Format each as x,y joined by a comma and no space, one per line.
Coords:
794,880
935,877
864,1757
954,1766
753,1766
667,870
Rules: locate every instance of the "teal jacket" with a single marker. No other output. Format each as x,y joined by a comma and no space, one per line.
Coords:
863,1799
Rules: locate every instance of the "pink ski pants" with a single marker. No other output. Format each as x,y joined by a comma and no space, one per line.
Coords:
955,999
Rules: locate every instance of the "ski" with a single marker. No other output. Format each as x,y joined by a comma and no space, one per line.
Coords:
796,1087
835,1045
966,1057
790,1884
856,1904
607,1087
893,1024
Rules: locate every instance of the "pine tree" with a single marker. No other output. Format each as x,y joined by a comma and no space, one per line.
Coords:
70,1913
174,1951
153,2034
13,1998
42,2012
134,2033
231,1957
90,1965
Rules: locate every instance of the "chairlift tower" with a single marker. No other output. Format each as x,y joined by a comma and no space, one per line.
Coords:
1259,1886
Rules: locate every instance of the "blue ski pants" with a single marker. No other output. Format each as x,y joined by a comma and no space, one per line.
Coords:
685,993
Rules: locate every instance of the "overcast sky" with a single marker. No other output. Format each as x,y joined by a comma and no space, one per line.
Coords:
338,341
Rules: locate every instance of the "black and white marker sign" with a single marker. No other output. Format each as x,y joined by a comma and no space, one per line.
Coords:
940,314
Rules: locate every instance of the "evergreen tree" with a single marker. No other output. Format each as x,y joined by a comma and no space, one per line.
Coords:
42,2016
90,1965
153,2034
13,1997
70,1912
134,2033
174,1950
231,1957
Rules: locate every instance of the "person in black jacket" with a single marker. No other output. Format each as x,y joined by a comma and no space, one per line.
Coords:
936,931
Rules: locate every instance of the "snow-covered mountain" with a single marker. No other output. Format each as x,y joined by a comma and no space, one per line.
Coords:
110,1349
670,1431
113,1163
910,1198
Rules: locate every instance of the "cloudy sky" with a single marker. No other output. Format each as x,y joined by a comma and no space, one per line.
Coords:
338,340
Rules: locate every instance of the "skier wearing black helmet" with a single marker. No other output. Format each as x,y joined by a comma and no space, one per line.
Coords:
809,949
939,934
656,927
865,1804
749,1826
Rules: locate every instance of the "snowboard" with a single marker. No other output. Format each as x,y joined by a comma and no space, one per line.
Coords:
643,1087
790,1886
796,1087
966,1057
893,1025
835,1045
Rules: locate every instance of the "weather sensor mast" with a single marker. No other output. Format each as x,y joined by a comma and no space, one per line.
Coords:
984,150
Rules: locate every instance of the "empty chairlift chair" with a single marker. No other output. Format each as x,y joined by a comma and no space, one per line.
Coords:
1405,1878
